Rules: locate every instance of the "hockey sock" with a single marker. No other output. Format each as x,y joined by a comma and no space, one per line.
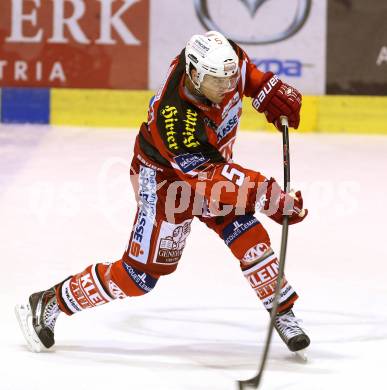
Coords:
101,283
262,277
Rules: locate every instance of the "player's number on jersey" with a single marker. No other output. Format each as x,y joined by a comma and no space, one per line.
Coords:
230,174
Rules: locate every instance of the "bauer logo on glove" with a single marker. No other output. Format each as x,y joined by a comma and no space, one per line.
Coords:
276,99
264,92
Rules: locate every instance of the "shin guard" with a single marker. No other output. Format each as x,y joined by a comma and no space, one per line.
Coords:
262,277
101,283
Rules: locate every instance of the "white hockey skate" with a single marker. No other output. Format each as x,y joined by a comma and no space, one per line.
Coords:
290,331
37,320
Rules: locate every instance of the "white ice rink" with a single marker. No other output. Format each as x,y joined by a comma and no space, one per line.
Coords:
66,202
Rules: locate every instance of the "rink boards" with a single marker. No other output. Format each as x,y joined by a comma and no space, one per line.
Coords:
119,108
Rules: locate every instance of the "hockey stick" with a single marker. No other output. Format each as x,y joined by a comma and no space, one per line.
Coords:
255,381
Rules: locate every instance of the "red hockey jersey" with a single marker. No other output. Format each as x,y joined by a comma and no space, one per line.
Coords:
194,139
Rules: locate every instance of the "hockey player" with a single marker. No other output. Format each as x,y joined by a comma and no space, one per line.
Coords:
182,168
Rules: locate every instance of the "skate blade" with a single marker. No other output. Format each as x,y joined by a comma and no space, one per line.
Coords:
24,317
302,355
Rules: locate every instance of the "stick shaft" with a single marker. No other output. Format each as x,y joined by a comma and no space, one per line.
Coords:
255,381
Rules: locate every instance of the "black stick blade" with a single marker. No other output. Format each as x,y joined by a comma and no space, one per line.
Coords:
251,383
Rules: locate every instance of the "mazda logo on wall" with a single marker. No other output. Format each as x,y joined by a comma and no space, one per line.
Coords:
301,15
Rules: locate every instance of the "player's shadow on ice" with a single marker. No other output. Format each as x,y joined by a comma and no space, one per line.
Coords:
196,356
217,338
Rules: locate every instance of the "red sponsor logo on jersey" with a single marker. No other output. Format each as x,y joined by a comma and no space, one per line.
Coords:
256,252
135,249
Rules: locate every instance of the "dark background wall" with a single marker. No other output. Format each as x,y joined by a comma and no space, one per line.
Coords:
357,47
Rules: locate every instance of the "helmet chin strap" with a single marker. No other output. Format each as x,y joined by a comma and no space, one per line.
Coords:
193,87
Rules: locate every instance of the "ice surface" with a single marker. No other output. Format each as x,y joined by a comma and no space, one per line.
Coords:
66,202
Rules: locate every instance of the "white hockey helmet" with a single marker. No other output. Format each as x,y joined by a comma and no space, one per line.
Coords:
210,54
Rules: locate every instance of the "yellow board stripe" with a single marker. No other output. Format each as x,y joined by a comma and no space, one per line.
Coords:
98,107
118,108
